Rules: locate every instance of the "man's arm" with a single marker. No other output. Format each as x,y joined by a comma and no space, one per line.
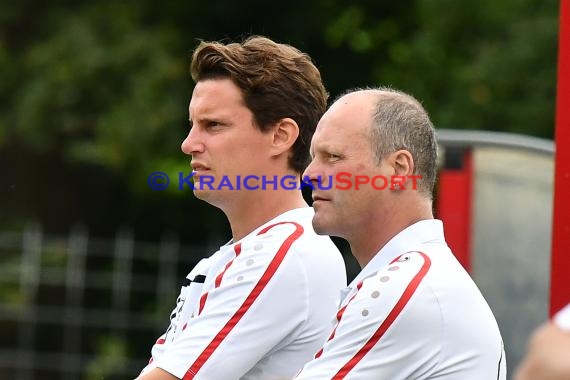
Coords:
158,374
548,355
188,297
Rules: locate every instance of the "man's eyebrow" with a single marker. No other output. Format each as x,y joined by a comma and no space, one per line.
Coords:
324,148
210,117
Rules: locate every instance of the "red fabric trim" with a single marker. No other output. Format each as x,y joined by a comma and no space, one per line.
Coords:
338,318
402,302
261,284
237,250
204,297
202,302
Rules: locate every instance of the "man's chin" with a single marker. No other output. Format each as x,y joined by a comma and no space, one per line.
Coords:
203,195
215,198
320,227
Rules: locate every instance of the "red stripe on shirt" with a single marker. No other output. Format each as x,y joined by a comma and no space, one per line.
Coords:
204,297
339,317
158,341
237,250
202,302
253,295
402,302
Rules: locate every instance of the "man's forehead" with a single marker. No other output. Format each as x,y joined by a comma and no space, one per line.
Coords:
216,91
339,133
359,101
346,118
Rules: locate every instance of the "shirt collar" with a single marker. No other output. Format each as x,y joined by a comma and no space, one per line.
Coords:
299,215
407,240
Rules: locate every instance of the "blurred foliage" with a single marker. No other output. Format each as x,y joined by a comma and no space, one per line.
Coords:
99,90
112,354
94,95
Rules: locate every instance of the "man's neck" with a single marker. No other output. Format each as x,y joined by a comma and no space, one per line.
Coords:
259,207
371,240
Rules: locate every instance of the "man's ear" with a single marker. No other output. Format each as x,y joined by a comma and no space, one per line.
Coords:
285,133
403,163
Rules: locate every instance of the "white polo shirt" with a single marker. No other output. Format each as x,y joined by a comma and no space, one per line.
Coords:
412,313
256,309
562,318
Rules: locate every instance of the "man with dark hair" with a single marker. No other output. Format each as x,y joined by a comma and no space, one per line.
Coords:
413,312
261,305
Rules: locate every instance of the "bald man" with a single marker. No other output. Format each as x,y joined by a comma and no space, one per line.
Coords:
413,312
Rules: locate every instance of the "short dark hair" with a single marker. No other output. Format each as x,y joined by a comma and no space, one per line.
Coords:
276,80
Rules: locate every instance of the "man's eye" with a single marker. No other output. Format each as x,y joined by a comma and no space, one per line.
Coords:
213,125
333,157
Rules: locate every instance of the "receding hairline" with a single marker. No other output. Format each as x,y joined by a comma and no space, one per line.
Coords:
377,94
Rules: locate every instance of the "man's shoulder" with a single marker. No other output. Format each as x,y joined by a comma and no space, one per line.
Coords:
291,235
412,266
295,225
294,234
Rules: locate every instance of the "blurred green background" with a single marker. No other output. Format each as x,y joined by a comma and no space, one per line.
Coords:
94,96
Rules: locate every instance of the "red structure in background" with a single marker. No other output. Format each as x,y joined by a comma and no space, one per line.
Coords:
454,202
560,262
